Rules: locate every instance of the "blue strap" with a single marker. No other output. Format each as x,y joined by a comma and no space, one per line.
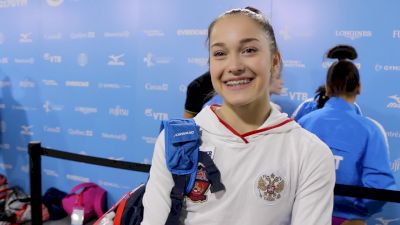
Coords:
212,172
182,140
177,195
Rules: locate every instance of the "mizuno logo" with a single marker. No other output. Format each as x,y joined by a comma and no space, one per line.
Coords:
184,133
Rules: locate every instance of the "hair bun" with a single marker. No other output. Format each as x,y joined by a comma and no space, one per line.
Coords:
342,52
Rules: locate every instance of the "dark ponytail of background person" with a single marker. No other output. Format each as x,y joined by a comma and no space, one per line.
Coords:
343,79
320,96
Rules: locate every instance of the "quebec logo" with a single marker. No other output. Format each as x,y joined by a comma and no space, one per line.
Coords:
115,60
54,3
155,115
148,60
395,104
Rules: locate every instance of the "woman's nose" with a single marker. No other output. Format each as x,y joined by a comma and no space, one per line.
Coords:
236,67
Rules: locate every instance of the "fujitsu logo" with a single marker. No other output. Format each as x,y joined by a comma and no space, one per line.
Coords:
184,133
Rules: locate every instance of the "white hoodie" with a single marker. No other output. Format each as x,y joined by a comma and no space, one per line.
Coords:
279,174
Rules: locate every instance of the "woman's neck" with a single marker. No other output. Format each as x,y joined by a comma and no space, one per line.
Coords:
245,118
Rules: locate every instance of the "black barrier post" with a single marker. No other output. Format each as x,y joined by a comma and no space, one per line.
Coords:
35,171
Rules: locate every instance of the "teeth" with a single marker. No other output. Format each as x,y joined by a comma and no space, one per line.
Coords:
237,82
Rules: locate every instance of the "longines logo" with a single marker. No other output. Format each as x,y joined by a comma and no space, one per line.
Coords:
395,104
115,60
121,34
52,58
77,178
191,32
379,67
85,110
25,38
293,64
51,107
27,84
154,33
198,61
119,137
353,34
150,60
82,35
3,60
396,33
72,83
50,82
2,37
327,64
155,115
118,111
13,3
26,130
30,60
53,36
76,132
156,87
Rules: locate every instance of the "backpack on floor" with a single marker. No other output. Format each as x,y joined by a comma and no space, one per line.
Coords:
88,196
182,141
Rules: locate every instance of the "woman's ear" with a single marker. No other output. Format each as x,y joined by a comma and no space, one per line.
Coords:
276,63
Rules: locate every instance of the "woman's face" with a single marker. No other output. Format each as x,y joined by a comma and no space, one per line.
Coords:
240,60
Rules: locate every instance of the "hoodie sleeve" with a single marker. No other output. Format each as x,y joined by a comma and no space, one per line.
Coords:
314,196
156,199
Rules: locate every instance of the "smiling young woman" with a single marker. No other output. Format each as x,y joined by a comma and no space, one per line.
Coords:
274,172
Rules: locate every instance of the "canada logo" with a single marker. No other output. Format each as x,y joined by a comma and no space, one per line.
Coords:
200,187
270,187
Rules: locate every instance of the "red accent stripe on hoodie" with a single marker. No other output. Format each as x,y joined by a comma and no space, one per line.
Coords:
243,136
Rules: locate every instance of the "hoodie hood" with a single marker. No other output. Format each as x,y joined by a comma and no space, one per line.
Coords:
209,122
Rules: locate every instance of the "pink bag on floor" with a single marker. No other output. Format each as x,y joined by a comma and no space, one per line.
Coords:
88,196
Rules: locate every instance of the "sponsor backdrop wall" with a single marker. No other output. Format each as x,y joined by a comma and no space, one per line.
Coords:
97,77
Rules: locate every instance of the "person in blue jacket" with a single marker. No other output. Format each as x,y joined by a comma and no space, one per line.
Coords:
358,145
315,103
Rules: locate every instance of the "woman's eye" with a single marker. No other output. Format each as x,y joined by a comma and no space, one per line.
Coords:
218,54
249,50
